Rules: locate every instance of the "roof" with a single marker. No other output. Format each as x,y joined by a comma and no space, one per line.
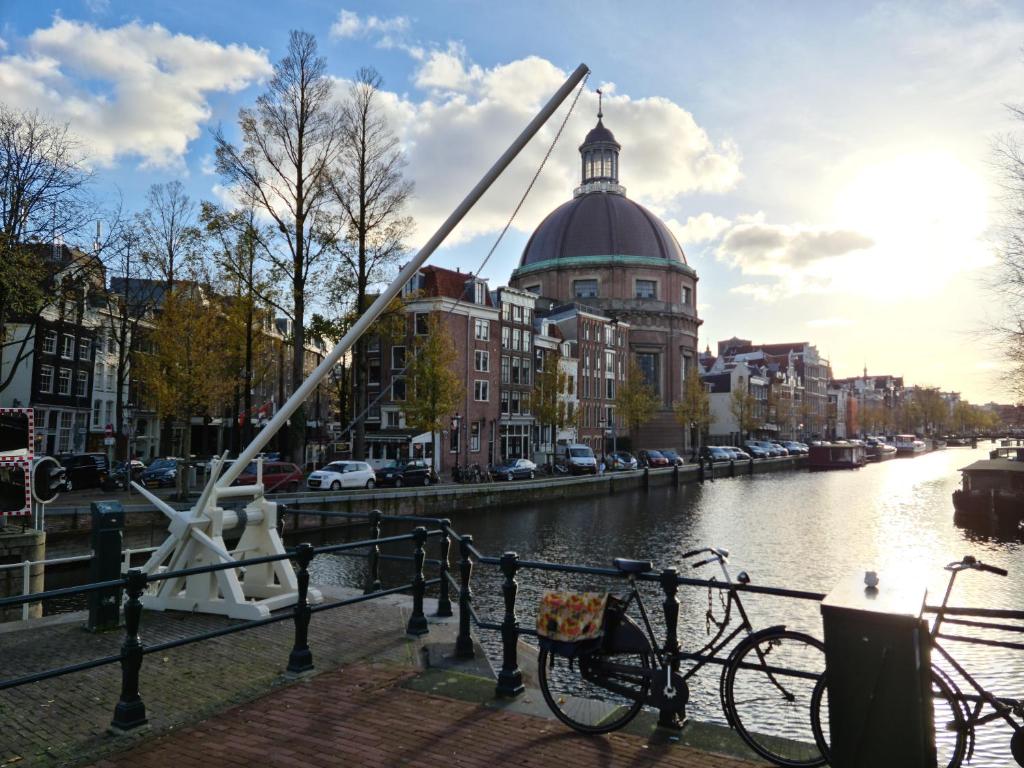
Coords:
599,134
601,224
438,281
994,465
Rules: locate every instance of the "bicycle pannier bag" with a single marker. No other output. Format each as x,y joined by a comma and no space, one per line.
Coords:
571,623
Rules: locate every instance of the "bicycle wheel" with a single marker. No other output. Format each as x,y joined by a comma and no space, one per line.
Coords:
597,692
766,691
950,725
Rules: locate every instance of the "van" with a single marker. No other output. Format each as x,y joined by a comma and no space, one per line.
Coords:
577,458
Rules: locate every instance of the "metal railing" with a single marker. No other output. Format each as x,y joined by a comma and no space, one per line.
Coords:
27,565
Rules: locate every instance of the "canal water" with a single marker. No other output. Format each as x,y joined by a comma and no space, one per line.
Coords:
795,529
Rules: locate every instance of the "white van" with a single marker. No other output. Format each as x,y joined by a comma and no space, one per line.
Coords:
577,458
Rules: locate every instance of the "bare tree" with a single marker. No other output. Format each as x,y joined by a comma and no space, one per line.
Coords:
372,194
43,200
290,146
1009,279
171,239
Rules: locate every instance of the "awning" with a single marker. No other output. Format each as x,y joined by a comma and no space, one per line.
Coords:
425,439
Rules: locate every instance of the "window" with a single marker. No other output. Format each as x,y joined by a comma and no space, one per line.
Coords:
478,293
81,384
111,375
534,289
64,382
609,417
687,295
110,343
110,412
526,341
474,436
422,323
64,435
504,369
584,289
504,403
609,360
515,402
651,370
483,329
83,349
68,349
526,371
46,378
392,419
50,342
506,311
609,386
483,361
481,390
515,370
398,388
506,334
527,315
517,313
97,408
373,372
517,336
646,289
415,284
526,403
397,358
570,385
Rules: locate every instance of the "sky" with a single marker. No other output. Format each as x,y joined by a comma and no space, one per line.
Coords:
827,167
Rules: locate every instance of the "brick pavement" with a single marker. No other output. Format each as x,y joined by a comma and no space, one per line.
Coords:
360,715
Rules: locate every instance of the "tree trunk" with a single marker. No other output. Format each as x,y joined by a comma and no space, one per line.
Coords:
297,432
361,401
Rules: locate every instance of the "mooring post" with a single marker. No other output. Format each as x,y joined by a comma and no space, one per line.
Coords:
675,474
700,469
464,641
647,477
444,603
750,465
373,569
130,712
668,718
417,620
301,658
510,678
732,467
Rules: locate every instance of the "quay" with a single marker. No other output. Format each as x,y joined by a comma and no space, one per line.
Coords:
378,697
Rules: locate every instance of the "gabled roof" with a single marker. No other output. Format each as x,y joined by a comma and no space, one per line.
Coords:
438,281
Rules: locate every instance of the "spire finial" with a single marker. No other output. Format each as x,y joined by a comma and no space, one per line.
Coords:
600,114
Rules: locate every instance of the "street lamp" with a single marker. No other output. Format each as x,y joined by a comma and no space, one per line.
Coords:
456,420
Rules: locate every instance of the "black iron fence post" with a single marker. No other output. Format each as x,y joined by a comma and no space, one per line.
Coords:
130,711
464,641
670,586
373,569
510,678
418,621
444,603
301,658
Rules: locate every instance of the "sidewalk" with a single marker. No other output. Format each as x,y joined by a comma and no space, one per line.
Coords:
362,715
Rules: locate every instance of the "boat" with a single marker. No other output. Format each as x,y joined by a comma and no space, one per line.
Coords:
836,456
993,488
938,445
879,450
909,445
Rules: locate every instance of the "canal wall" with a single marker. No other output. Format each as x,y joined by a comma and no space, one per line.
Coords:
68,527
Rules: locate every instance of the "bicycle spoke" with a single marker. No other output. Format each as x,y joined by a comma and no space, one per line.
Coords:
597,693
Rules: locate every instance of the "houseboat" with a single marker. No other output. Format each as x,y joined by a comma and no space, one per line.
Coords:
909,445
993,488
879,450
836,456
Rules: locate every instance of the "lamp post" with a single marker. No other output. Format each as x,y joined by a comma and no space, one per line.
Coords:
456,421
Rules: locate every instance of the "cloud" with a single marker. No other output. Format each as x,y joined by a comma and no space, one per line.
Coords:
830,322
698,229
350,25
135,90
98,7
467,115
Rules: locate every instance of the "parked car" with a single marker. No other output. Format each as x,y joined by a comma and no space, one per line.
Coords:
515,469
783,451
343,474
160,473
672,456
756,450
84,470
277,476
652,458
794,447
621,460
125,472
578,458
715,453
737,453
406,472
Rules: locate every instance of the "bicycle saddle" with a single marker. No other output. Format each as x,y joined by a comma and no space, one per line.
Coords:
632,566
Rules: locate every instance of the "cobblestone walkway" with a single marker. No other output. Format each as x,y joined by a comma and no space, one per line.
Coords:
361,716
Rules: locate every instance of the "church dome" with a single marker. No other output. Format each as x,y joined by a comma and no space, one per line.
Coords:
600,221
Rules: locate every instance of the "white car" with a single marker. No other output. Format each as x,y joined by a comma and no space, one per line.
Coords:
342,474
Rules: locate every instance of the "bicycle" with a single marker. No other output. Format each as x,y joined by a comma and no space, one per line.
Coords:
956,712
768,704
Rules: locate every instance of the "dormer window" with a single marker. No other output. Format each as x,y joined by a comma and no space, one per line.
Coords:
478,293
414,285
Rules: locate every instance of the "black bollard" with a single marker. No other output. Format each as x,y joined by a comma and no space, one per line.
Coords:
464,641
373,569
444,603
670,586
510,678
417,620
700,469
130,711
301,658
647,477
750,465
732,467
675,475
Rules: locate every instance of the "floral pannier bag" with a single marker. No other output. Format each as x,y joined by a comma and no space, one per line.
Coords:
571,623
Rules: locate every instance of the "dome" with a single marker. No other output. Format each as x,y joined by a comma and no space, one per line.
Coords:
601,224
600,134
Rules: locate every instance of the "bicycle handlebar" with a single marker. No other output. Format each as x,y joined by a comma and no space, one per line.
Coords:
713,559
992,569
970,561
